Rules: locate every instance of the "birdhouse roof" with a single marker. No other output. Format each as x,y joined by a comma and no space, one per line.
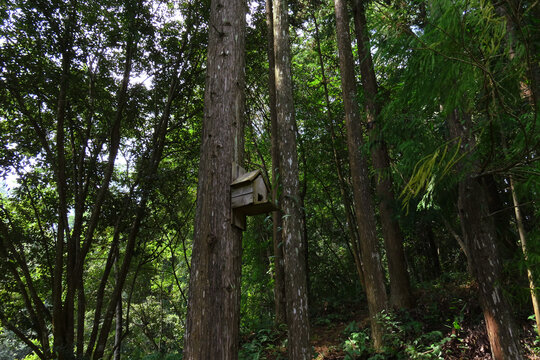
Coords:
247,177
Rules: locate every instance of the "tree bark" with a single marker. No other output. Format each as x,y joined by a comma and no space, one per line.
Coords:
155,156
338,161
498,201
525,248
483,258
424,233
279,278
517,23
373,272
63,341
118,324
293,246
212,329
400,289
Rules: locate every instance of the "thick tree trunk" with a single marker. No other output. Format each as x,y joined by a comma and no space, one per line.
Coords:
212,329
373,272
293,246
486,267
279,278
400,289
484,260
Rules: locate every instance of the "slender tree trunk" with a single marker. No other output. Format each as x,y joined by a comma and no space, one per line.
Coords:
83,249
373,272
212,329
303,192
81,310
156,153
118,327
424,234
511,11
508,247
517,24
400,289
293,246
115,134
14,261
525,248
343,188
484,260
62,344
279,278
433,252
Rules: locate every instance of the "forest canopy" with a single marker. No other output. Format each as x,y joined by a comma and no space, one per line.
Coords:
398,139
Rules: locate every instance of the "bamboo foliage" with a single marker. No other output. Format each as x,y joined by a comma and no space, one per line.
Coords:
430,170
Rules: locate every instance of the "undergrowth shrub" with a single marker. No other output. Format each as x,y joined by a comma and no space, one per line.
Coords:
404,338
262,343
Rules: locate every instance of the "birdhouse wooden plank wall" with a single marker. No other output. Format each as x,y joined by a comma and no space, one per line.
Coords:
249,195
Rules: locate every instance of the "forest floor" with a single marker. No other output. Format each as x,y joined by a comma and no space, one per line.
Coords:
447,323
327,341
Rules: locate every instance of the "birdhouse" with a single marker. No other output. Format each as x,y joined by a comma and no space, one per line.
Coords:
250,196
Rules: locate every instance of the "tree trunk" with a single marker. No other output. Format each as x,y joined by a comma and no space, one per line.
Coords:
484,260
498,205
511,11
525,248
293,247
212,329
153,164
343,188
303,192
373,272
400,289
118,325
63,341
424,233
279,278
517,23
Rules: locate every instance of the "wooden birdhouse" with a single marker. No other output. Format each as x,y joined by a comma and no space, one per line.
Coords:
250,195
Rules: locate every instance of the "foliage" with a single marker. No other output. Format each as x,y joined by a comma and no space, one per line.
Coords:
257,298
262,345
11,347
430,58
357,344
98,136
404,339
155,356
